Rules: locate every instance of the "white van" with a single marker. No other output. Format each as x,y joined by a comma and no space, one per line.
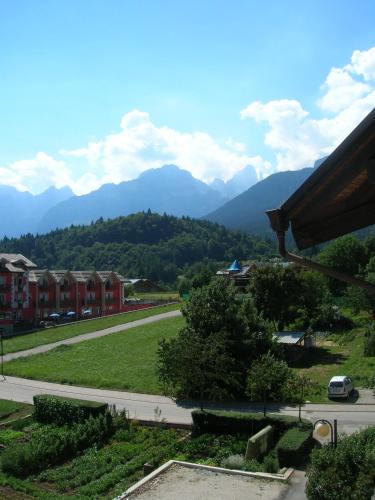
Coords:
340,387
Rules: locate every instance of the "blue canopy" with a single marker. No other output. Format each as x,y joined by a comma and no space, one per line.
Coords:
235,266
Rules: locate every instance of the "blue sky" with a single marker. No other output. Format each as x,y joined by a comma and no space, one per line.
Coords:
98,91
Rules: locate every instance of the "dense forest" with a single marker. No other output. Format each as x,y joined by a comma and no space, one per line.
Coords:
159,247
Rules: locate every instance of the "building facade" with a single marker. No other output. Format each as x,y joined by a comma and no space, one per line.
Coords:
29,295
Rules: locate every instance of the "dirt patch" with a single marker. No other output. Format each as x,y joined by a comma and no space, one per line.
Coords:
8,493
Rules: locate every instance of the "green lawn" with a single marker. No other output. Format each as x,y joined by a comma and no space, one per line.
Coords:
340,354
159,296
12,409
123,360
48,335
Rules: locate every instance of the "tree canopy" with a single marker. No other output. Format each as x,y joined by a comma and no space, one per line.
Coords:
147,245
210,356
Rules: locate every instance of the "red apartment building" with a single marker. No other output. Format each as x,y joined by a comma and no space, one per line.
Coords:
29,294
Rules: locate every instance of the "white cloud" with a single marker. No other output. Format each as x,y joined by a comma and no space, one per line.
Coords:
141,145
36,174
363,63
296,138
341,90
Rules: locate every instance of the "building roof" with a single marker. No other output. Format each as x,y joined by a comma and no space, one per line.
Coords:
289,337
17,259
36,274
235,266
338,197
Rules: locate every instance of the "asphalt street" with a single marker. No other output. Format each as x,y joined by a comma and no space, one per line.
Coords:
350,416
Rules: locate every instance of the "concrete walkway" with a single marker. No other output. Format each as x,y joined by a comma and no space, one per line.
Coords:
91,335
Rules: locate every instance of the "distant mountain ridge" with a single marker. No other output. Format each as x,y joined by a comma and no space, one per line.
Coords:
167,189
21,211
247,211
163,190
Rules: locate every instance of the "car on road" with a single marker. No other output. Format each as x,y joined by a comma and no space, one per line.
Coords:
340,387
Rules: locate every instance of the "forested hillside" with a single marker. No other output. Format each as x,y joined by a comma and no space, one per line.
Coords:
159,247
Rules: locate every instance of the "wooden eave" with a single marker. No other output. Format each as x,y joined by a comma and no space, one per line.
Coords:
338,197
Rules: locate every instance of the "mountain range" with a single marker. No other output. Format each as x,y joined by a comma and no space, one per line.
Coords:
239,203
168,189
21,211
247,210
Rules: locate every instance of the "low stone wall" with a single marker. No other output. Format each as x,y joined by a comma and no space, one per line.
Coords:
260,443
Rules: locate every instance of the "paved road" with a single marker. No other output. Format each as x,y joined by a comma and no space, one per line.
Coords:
91,335
351,417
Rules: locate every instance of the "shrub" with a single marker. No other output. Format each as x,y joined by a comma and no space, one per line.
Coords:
50,445
219,422
271,463
347,471
61,411
294,445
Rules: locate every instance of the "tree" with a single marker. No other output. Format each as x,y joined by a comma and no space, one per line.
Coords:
204,360
346,254
209,357
268,378
283,294
298,386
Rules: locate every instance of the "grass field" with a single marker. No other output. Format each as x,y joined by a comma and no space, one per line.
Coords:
340,354
48,335
159,296
12,409
123,360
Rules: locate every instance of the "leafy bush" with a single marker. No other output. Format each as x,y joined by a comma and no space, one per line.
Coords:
331,318
50,445
61,411
294,445
347,471
220,422
271,463
369,344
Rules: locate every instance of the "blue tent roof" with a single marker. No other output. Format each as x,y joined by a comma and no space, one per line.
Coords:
235,266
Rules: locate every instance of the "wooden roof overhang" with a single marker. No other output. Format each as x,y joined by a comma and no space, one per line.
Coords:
337,198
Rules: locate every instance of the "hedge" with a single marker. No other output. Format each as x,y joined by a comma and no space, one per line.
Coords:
61,411
50,445
220,422
295,444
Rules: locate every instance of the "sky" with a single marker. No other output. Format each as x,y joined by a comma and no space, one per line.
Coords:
97,91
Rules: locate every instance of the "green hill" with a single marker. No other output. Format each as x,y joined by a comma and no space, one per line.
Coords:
159,247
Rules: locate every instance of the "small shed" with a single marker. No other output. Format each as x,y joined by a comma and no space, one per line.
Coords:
295,342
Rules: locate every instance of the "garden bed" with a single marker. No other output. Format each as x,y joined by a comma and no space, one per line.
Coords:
108,470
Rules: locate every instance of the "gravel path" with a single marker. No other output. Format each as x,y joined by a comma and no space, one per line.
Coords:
91,335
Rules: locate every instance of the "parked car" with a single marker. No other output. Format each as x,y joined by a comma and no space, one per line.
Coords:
340,387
